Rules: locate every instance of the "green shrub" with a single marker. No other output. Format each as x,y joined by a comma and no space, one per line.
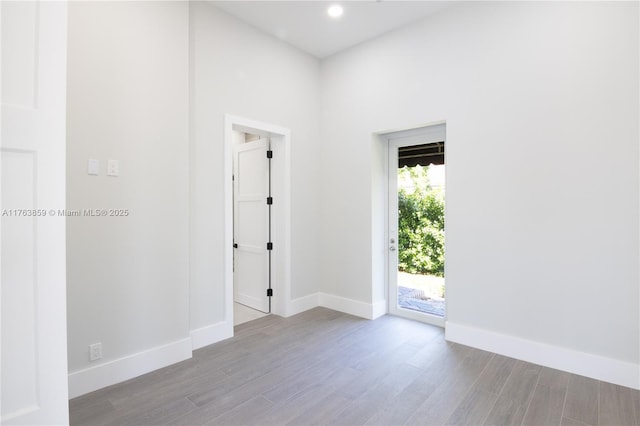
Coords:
421,225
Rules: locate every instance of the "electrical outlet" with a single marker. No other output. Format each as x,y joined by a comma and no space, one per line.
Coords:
95,351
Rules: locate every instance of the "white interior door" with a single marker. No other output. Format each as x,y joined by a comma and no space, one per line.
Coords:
251,225
421,136
33,289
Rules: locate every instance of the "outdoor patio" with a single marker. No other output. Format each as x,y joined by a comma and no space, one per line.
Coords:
422,293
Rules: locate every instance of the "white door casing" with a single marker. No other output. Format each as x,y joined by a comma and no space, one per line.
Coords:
33,288
281,224
423,135
251,276
280,139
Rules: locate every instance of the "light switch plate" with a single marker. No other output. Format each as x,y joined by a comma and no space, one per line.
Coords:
93,167
113,168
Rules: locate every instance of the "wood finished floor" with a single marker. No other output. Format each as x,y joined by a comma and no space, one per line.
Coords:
324,367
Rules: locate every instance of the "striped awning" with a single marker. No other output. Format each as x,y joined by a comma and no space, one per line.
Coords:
430,153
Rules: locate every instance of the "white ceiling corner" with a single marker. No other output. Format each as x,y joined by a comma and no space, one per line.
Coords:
306,25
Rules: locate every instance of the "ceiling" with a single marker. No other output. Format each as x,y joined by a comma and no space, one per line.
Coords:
307,26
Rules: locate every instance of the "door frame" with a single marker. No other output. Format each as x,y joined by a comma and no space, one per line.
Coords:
409,137
280,211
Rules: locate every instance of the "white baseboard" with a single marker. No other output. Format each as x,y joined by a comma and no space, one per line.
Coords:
589,365
379,309
119,370
337,303
302,304
348,306
211,334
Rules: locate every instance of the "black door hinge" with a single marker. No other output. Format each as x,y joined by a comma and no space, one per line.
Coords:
269,246
269,292
269,154
269,200
235,245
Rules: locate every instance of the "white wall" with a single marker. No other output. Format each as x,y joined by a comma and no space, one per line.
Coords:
541,106
132,285
238,70
128,99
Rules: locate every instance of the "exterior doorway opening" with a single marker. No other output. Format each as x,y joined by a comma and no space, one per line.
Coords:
416,224
421,195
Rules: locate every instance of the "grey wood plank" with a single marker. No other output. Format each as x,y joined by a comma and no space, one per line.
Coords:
444,358
616,406
428,355
383,365
496,374
547,404
223,400
91,398
225,403
304,402
520,384
566,421
361,409
356,413
506,412
474,408
427,335
440,405
286,389
249,412
397,410
264,375
476,405
224,388
581,403
324,367
283,348
153,400
125,390
123,398
545,407
319,413
281,360
320,361
272,334
397,380
160,413
282,412
168,388
258,324
96,412
511,405
636,404
553,378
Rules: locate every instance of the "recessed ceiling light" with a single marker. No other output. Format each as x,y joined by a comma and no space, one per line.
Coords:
335,11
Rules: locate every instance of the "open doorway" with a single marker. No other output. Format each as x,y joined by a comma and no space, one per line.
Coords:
416,224
421,190
274,233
